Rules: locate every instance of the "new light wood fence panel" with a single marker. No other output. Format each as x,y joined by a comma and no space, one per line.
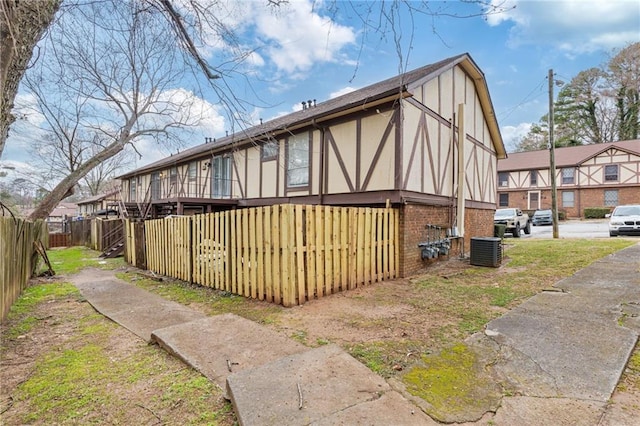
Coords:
284,254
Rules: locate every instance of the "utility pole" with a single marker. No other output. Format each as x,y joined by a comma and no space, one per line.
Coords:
552,161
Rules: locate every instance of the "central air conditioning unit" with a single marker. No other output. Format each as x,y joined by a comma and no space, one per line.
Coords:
486,251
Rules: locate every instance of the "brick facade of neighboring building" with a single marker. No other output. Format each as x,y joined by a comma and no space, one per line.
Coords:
601,175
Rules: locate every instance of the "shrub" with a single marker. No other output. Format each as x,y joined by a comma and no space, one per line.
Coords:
596,212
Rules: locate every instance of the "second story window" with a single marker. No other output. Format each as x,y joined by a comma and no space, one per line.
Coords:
611,173
221,176
503,179
155,186
298,160
133,183
193,171
269,151
533,178
173,175
568,177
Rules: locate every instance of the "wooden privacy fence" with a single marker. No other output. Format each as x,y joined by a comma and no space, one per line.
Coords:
134,252
18,257
285,254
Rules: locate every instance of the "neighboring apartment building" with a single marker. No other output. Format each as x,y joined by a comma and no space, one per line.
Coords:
408,141
101,204
600,175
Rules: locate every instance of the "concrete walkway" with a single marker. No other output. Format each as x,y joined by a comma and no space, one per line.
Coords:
563,351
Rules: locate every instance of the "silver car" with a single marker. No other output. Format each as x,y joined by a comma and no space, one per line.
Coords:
542,217
625,220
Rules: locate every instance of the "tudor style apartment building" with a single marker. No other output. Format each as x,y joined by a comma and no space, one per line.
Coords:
425,142
600,175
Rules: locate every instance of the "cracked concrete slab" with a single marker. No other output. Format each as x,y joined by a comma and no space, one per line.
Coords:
133,308
531,411
571,343
221,345
304,388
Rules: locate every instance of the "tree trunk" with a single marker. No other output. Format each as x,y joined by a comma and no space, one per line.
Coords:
65,186
22,24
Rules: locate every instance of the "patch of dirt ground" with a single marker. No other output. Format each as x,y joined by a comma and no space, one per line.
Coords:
69,324
390,313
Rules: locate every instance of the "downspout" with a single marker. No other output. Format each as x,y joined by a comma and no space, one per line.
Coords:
461,171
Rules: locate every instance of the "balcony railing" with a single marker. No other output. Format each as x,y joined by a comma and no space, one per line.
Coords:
173,187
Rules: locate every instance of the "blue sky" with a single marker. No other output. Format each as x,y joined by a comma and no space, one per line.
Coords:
315,50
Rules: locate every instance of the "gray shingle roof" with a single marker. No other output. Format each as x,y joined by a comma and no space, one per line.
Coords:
380,90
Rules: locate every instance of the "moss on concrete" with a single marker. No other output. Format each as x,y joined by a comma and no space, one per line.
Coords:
454,385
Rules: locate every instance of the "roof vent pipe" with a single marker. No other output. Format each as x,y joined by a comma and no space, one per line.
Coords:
304,105
314,102
309,102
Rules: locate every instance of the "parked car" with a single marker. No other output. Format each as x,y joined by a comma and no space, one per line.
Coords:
514,220
625,220
542,217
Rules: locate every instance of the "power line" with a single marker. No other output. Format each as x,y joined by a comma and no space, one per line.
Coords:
527,98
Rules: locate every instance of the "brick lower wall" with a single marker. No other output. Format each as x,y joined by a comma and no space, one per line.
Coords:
413,221
583,198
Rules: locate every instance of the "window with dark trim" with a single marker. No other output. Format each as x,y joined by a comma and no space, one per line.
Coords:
192,172
611,173
504,200
269,151
298,161
221,176
155,186
533,178
503,179
133,183
568,176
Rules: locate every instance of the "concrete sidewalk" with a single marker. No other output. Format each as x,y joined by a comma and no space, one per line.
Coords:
563,351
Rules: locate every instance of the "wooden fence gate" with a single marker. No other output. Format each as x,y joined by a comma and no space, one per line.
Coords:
286,254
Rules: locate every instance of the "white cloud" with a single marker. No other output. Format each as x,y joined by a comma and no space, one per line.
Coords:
341,92
298,37
582,25
511,135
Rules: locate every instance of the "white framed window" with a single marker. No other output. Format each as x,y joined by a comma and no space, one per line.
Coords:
610,197
568,199
611,173
298,161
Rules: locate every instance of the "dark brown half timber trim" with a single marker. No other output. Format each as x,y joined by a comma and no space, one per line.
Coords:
416,140
429,111
399,148
381,144
358,151
336,151
235,171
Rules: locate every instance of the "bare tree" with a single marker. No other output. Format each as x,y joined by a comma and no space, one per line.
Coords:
110,76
